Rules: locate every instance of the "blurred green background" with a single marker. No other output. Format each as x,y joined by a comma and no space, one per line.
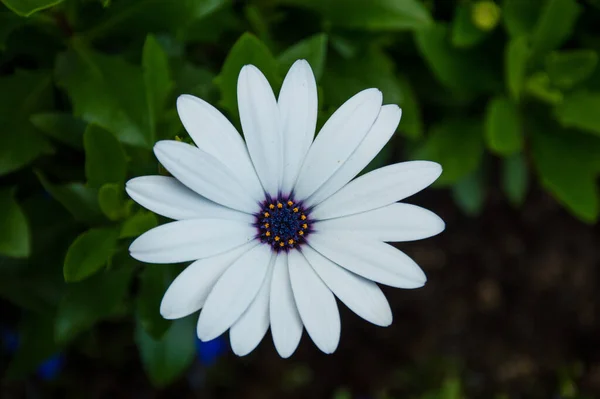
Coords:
504,94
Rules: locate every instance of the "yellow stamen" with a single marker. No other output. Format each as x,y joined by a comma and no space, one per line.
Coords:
290,203
271,206
276,238
267,225
279,205
267,214
305,226
300,233
281,244
303,217
268,234
296,210
291,242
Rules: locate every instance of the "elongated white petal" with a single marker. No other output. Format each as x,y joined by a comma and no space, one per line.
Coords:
362,296
247,332
395,222
233,293
372,259
214,134
189,290
337,140
316,304
191,239
206,175
379,188
298,107
286,326
259,116
167,197
380,133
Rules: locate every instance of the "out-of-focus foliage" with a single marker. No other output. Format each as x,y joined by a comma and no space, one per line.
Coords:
88,86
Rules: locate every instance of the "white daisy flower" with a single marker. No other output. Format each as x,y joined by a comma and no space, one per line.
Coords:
274,224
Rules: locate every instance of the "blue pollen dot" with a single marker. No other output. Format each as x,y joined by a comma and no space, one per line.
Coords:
282,223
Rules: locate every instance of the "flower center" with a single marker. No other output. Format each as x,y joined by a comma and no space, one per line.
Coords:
282,223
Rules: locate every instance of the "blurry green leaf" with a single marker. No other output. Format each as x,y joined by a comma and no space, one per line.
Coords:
451,389
539,86
193,80
8,23
89,253
521,16
312,49
104,157
469,195
27,7
61,127
503,131
155,280
515,178
36,292
107,91
411,124
516,57
167,358
568,68
90,301
375,15
554,26
158,82
20,143
464,32
111,201
138,223
580,110
14,230
247,50
457,145
342,393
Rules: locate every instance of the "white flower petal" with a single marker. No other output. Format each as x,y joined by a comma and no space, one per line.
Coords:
372,259
379,188
259,116
395,222
298,107
316,304
337,140
192,239
380,133
234,292
286,326
189,290
362,296
204,174
214,134
167,197
247,332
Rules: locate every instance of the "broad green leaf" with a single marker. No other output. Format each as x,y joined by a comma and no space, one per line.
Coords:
469,193
374,15
568,68
107,91
520,16
554,26
104,157
20,143
516,57
165,359
89,302
139,223
464,33
538,85
25,8
157,79
155,280
247,50
580,110
456,144
411,124
312,49
14,231
8,23
90,252
515,178
503,131
38,293
61,127
111,201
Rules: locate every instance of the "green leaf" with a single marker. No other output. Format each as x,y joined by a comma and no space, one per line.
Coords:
312,49
8,23
503,131
469,194
554,26
374,15
138,223
515,178
456,144
14,231
90,301
520,17
90,252
516,58
107,91
411,124
104,157
157,78
247,50
25,8
61,127
111,201
155,280
568,68
580,110
165,359
538,85
464,32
